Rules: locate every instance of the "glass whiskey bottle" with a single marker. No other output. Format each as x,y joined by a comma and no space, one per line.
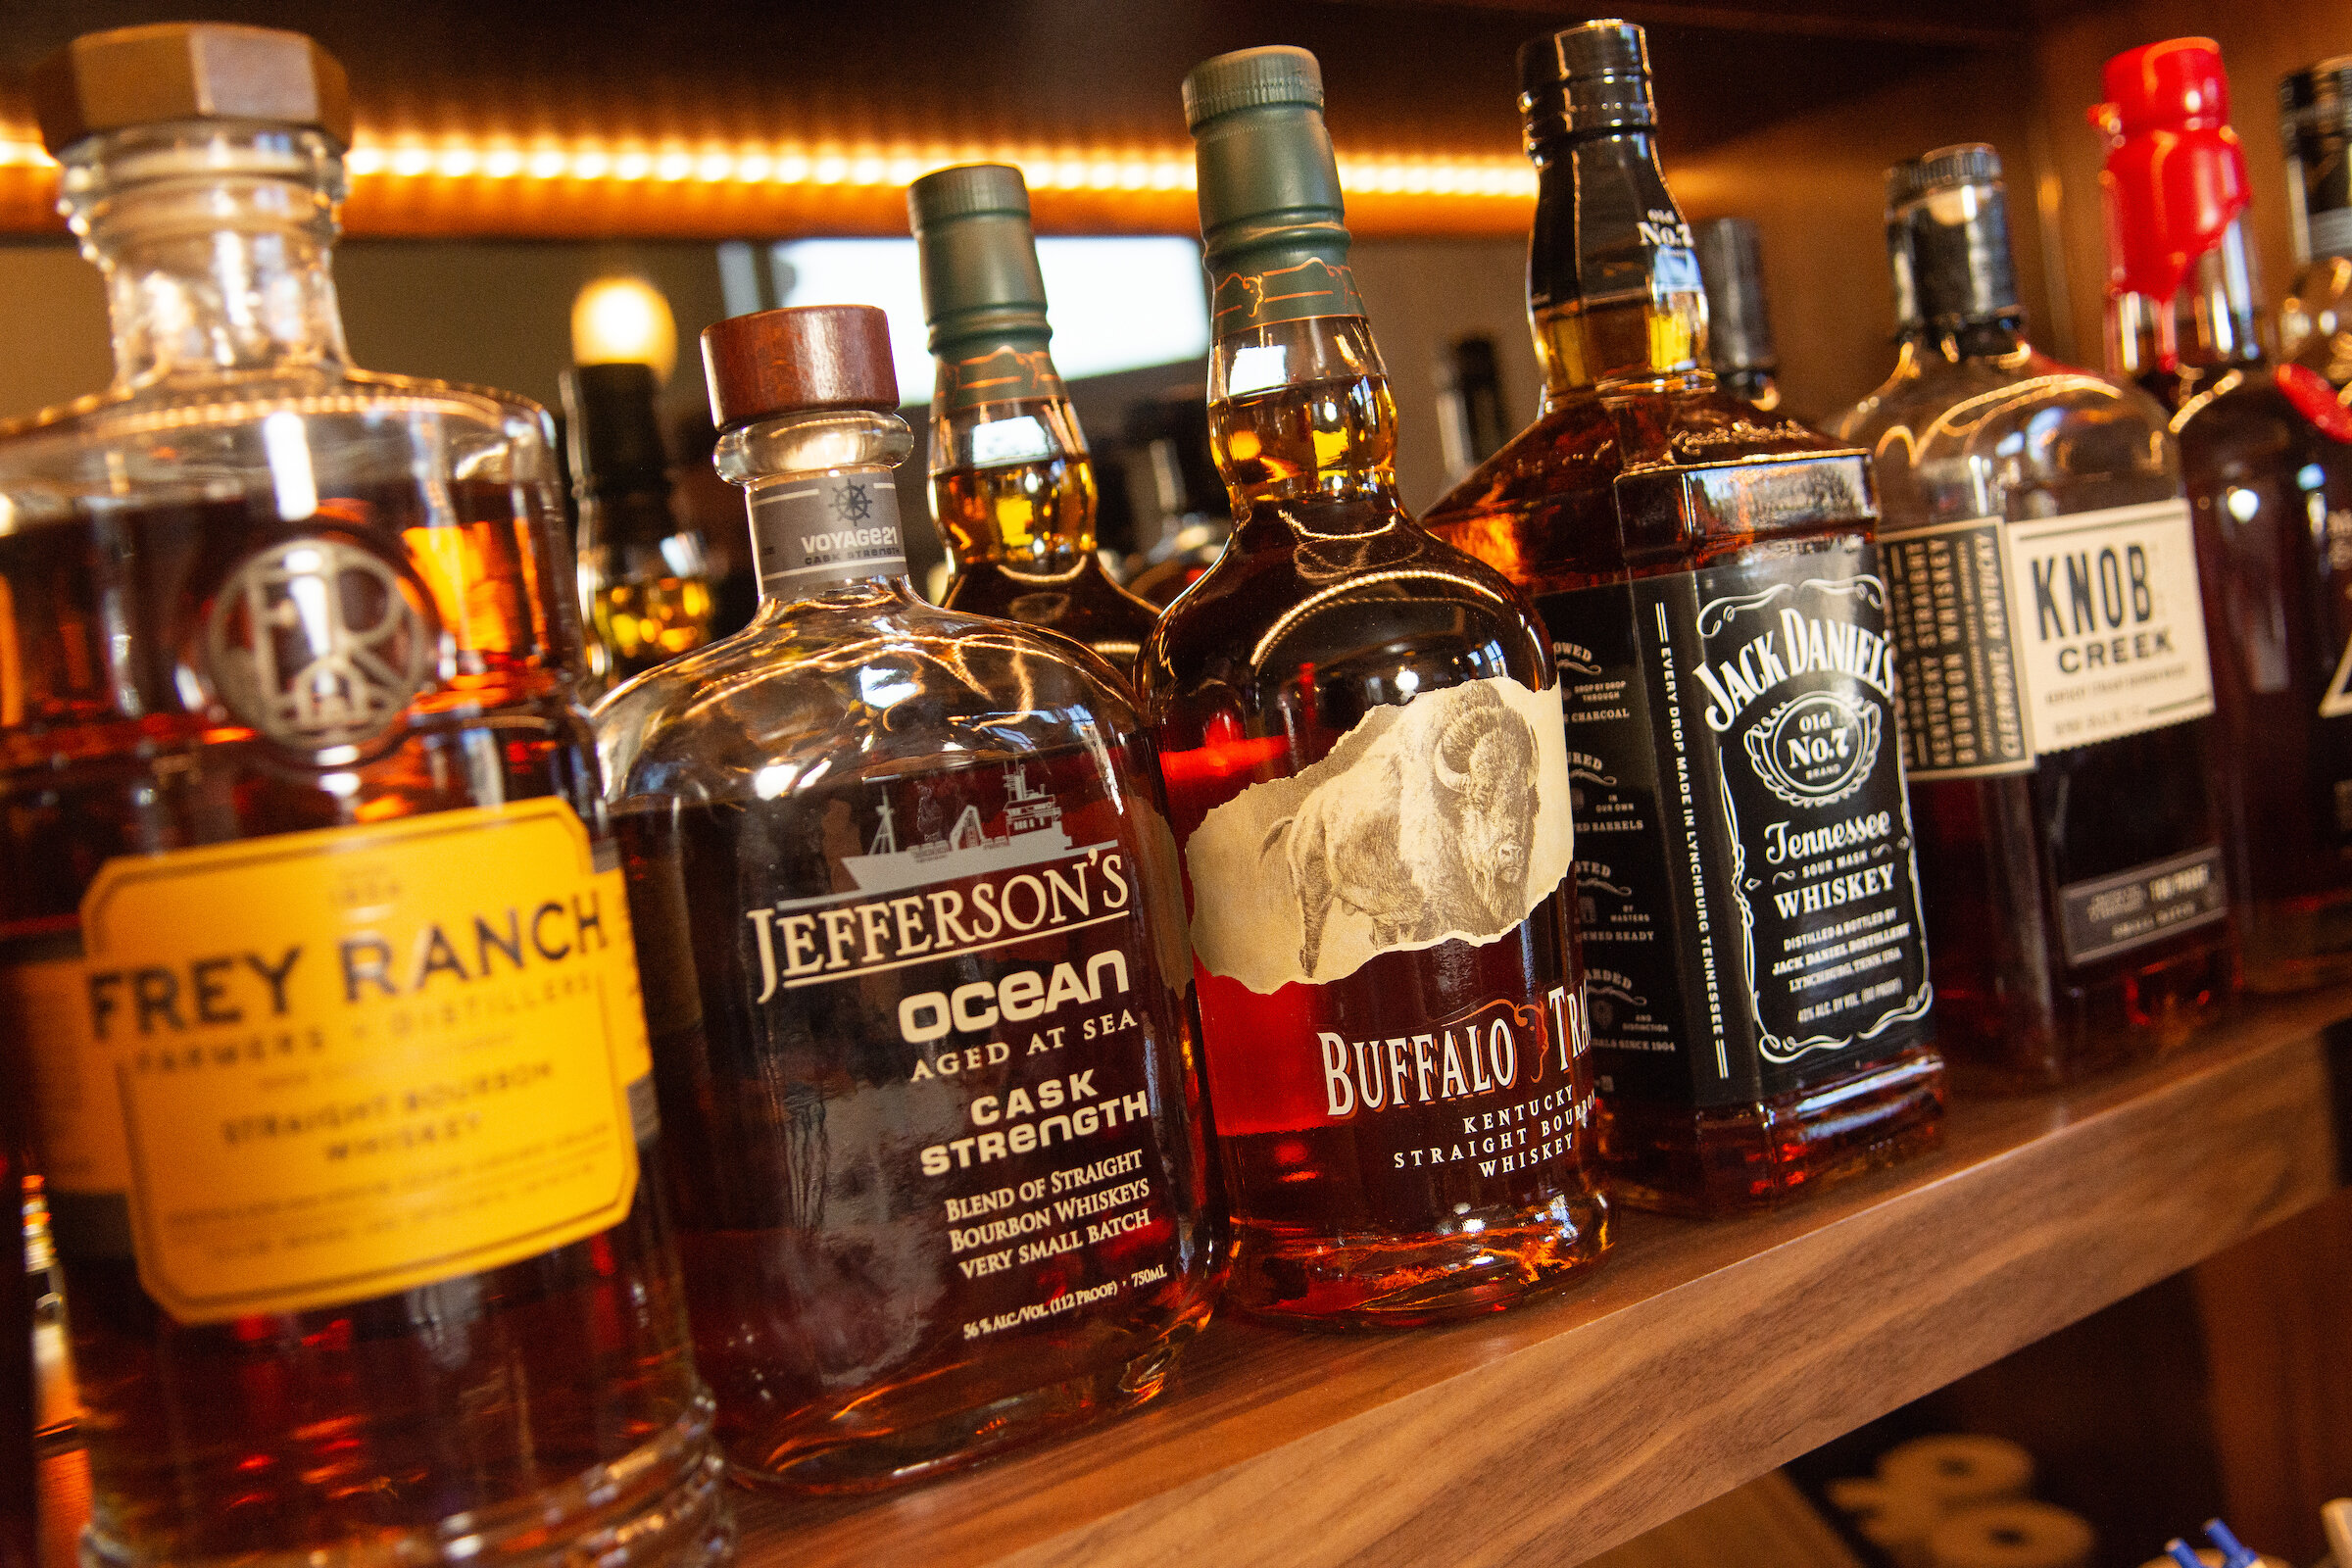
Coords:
1011,486
2265,456
645,577
1751,918
2051,649
1362,743
311,920
2315,320
906,891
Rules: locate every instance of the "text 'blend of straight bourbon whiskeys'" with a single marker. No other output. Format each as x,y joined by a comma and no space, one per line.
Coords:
1364,755
1011,485
310,920
907,899
1758,980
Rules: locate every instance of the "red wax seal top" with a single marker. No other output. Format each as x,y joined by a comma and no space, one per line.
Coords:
2175,175
2315,399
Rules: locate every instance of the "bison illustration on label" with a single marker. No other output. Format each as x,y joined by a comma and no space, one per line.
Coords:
1442,820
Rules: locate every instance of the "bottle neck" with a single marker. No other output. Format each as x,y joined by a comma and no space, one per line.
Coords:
1010,482
214,239
2210,321
821,490
1614,281
1300,410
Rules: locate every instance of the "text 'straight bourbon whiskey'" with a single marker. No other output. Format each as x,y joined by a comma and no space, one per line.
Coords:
310,920
1752,924
2265,458
907,899
2051,649
1364,750
1011,483
644,578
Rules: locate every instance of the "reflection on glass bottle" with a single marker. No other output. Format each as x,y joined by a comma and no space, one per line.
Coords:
2268,471
1362,736
308,903
1739,346
645,579
1472,424
2051,652
1758,979
907,898
1011,486
2315,320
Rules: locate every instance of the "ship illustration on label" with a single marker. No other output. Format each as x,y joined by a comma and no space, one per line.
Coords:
1033,833
1443,820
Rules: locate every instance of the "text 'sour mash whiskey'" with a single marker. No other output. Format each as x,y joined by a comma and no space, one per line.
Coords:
906,900
1363,749
1758,982
310,921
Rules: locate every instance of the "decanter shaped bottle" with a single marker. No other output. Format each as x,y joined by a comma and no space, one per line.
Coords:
1361,735
311,919
2051,649
2265,456
1011,486
906,893
1758,979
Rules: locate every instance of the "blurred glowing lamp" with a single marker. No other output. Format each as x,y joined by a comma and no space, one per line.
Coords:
624,321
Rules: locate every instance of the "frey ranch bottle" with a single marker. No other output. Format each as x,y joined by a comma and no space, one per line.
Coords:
1752,924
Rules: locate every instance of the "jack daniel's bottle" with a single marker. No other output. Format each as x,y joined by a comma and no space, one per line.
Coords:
1011,485
908,904
2055,694
310,919
1757,975
1364,750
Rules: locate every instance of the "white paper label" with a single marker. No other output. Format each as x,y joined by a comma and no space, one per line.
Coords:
2109,634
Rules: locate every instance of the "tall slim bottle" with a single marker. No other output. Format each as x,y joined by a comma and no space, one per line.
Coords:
1758,978
1361,735
2265,457
2315,320
1011,486
1740,343
2051,649
309,915
1888,405
908,904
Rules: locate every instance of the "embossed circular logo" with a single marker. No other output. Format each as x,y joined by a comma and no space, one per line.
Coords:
1816,749
316,642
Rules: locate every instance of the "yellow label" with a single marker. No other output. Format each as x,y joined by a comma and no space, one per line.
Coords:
326,1066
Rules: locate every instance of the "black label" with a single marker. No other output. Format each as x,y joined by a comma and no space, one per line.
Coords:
2111,915
1955,660
1750,910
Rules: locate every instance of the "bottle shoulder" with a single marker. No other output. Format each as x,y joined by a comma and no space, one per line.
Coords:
2250,422
835,687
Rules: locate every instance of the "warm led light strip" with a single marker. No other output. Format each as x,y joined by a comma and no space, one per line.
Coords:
1046,167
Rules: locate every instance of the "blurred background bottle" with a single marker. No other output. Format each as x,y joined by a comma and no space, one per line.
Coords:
2315,127
1171,464
1472,420
1739,346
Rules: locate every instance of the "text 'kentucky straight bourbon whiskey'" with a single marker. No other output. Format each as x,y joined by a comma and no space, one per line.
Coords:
1011,485
1758,981
1363,750
310,919
907,899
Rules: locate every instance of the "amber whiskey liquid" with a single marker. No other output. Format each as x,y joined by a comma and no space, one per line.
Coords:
1022,539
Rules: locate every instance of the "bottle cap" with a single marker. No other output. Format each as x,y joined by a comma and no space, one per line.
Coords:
611,428
2175,84
1252,78
1590,77
2175,175
1273,225
799,359
1730,264
2319,96
1955,236
174,70
979,256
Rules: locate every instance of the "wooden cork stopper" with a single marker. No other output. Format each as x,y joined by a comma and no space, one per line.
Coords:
797,360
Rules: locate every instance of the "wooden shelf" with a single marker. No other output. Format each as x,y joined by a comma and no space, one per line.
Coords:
1700,1355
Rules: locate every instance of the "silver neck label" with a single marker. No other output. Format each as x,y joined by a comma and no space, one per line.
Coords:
811,533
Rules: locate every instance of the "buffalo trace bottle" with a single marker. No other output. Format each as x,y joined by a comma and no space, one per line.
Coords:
1364,755
2266,460
2315,320
1011,483
907,897
644,578
2051,656
1757,975
310,919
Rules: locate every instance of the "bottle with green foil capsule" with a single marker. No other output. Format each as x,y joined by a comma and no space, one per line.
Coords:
1011,487
1752,919
1361,737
